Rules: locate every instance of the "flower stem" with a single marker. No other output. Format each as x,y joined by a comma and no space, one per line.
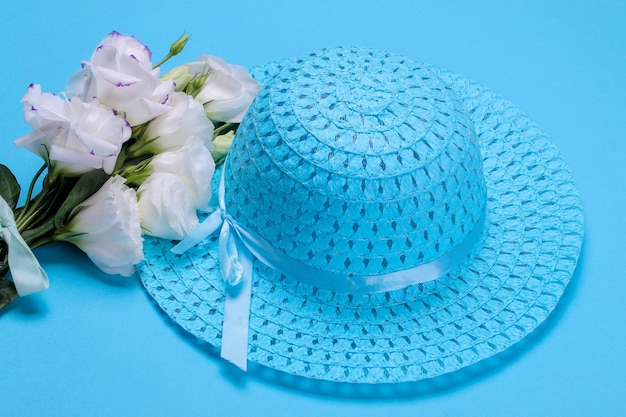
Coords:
32,187
31,211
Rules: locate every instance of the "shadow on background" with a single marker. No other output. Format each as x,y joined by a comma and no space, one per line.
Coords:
81,268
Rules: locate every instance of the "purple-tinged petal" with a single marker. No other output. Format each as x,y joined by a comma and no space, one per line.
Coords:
122,84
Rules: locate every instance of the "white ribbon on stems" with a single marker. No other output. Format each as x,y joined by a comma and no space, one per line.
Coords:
28,276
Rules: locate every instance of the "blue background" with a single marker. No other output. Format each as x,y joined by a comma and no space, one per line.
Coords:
95,345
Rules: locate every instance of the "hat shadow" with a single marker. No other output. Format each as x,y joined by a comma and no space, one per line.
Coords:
439,385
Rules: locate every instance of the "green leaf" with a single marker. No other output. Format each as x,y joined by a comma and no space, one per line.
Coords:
40,234
86,185
9,188
121,158
8,292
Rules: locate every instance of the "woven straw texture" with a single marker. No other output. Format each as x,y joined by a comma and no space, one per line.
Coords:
490,156
362,163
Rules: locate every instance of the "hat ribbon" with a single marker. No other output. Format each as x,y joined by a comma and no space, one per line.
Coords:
28,276
236,269
238,247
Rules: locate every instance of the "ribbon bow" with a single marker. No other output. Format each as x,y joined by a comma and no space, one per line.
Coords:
28,276
236,269
238,247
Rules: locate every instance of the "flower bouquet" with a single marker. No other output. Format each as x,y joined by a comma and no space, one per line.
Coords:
126,152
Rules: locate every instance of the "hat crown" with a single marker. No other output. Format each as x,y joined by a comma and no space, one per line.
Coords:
357,162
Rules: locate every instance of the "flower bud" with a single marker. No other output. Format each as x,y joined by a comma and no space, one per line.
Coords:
180,75
221,145
178,46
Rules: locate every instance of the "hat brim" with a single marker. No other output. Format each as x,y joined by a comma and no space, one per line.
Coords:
501,293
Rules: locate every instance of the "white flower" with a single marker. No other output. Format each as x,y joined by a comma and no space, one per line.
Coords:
120,75
106,227
130,46
164,207
179,184
228,90
193,161
170,130
76,137
42,108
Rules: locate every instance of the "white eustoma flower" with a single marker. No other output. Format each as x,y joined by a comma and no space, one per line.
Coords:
194,163
171,130
228,90
129,45
106,227
120,75
180,183
165,209
74,136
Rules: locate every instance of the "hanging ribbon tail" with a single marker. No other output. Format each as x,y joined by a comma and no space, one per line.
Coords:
235,260
236,263
28,276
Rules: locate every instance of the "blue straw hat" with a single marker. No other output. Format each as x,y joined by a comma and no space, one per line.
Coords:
379,221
